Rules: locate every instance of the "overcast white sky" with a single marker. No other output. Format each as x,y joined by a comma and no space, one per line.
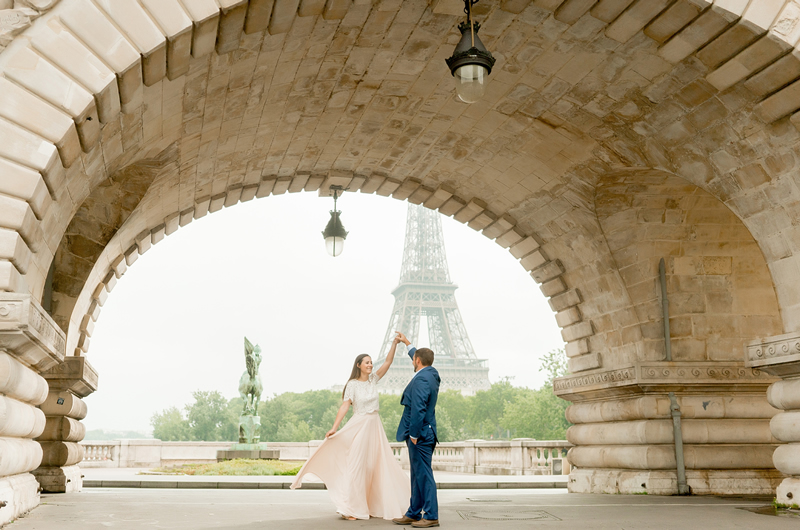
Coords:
175,321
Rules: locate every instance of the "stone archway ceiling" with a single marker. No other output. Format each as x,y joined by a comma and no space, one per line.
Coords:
303,88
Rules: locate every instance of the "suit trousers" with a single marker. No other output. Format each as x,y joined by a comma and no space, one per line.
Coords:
423,485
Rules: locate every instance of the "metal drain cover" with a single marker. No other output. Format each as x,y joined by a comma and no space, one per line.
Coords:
506,515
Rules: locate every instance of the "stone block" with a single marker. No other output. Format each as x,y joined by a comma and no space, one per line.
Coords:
283,13
232,196
29,333
482,220
439,197
205,16
57,454
565,300
96,31
27,149
21,492
265,187
138,26
470,211
788,491
548,271
524,247
780,104
311,7
510,238
577,347
75,374
249,192
14,249
634,19
420,195
144,241
66,479
231,24
499,227
26,184
64,403
298,183
258,15
581,363
216,203
20,455
20,420
577,331
568,316
553,287
171,225
609,10
533,260
23,108
73,57
61,428
281,185
699,32
200,208
570,11
387,187
177,26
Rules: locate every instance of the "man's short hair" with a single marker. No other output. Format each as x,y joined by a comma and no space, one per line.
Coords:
425,355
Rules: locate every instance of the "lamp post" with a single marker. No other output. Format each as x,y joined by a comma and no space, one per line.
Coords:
334,232
471,63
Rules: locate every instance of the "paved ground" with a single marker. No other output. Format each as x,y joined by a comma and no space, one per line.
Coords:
143,478
175,509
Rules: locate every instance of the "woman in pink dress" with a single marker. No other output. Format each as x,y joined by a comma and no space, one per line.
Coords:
356,464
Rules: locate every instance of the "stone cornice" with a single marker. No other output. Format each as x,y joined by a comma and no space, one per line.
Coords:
74,374
662,377
28,333
778,355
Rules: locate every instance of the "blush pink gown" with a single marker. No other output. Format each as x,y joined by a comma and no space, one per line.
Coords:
357,465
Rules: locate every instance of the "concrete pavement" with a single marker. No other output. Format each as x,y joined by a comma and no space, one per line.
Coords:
202,509
144,478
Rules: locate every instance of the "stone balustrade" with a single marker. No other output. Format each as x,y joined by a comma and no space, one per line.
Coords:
515,457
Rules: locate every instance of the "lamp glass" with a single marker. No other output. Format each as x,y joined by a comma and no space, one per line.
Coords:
470,82
334,245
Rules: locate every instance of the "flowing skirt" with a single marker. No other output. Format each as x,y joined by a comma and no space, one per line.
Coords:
361,473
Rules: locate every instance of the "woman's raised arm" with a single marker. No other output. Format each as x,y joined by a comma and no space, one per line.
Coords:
387,363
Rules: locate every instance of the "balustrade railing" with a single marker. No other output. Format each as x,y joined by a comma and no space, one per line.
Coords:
514,457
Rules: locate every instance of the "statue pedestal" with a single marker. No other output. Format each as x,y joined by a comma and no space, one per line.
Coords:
249,446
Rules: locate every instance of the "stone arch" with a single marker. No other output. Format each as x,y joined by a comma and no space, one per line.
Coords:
276,91
141,232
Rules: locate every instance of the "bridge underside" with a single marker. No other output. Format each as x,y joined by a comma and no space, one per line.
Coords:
613,133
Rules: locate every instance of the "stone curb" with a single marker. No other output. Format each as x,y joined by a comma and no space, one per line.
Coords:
216,484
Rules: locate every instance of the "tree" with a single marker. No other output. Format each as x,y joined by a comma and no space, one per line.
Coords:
170,425
207,415
540,414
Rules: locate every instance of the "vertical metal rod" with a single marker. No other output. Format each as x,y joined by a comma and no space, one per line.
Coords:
675,409
662,272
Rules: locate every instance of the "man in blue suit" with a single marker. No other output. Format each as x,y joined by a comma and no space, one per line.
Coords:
418,429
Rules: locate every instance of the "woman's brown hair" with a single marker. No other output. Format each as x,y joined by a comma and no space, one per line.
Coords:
356,373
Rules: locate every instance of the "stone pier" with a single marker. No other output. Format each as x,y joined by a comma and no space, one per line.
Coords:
780,356
69,382
624,436
30,342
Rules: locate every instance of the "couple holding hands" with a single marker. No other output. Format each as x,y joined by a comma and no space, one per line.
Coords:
357,465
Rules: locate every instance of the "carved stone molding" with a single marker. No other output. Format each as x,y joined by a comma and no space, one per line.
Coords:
74,374
17,15
28,333
778,355
662,377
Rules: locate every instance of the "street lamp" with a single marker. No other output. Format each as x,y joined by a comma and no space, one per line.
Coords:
471,63
334,232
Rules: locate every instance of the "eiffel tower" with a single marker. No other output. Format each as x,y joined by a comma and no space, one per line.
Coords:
425,290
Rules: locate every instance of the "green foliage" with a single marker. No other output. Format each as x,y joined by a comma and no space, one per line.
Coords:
239,467
502,412
207,416
170,426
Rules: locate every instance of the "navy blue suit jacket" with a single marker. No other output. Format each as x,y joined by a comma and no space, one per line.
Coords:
419,399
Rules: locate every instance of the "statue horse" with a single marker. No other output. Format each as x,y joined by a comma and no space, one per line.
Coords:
250,386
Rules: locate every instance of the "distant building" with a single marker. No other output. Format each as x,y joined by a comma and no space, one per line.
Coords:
425,290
